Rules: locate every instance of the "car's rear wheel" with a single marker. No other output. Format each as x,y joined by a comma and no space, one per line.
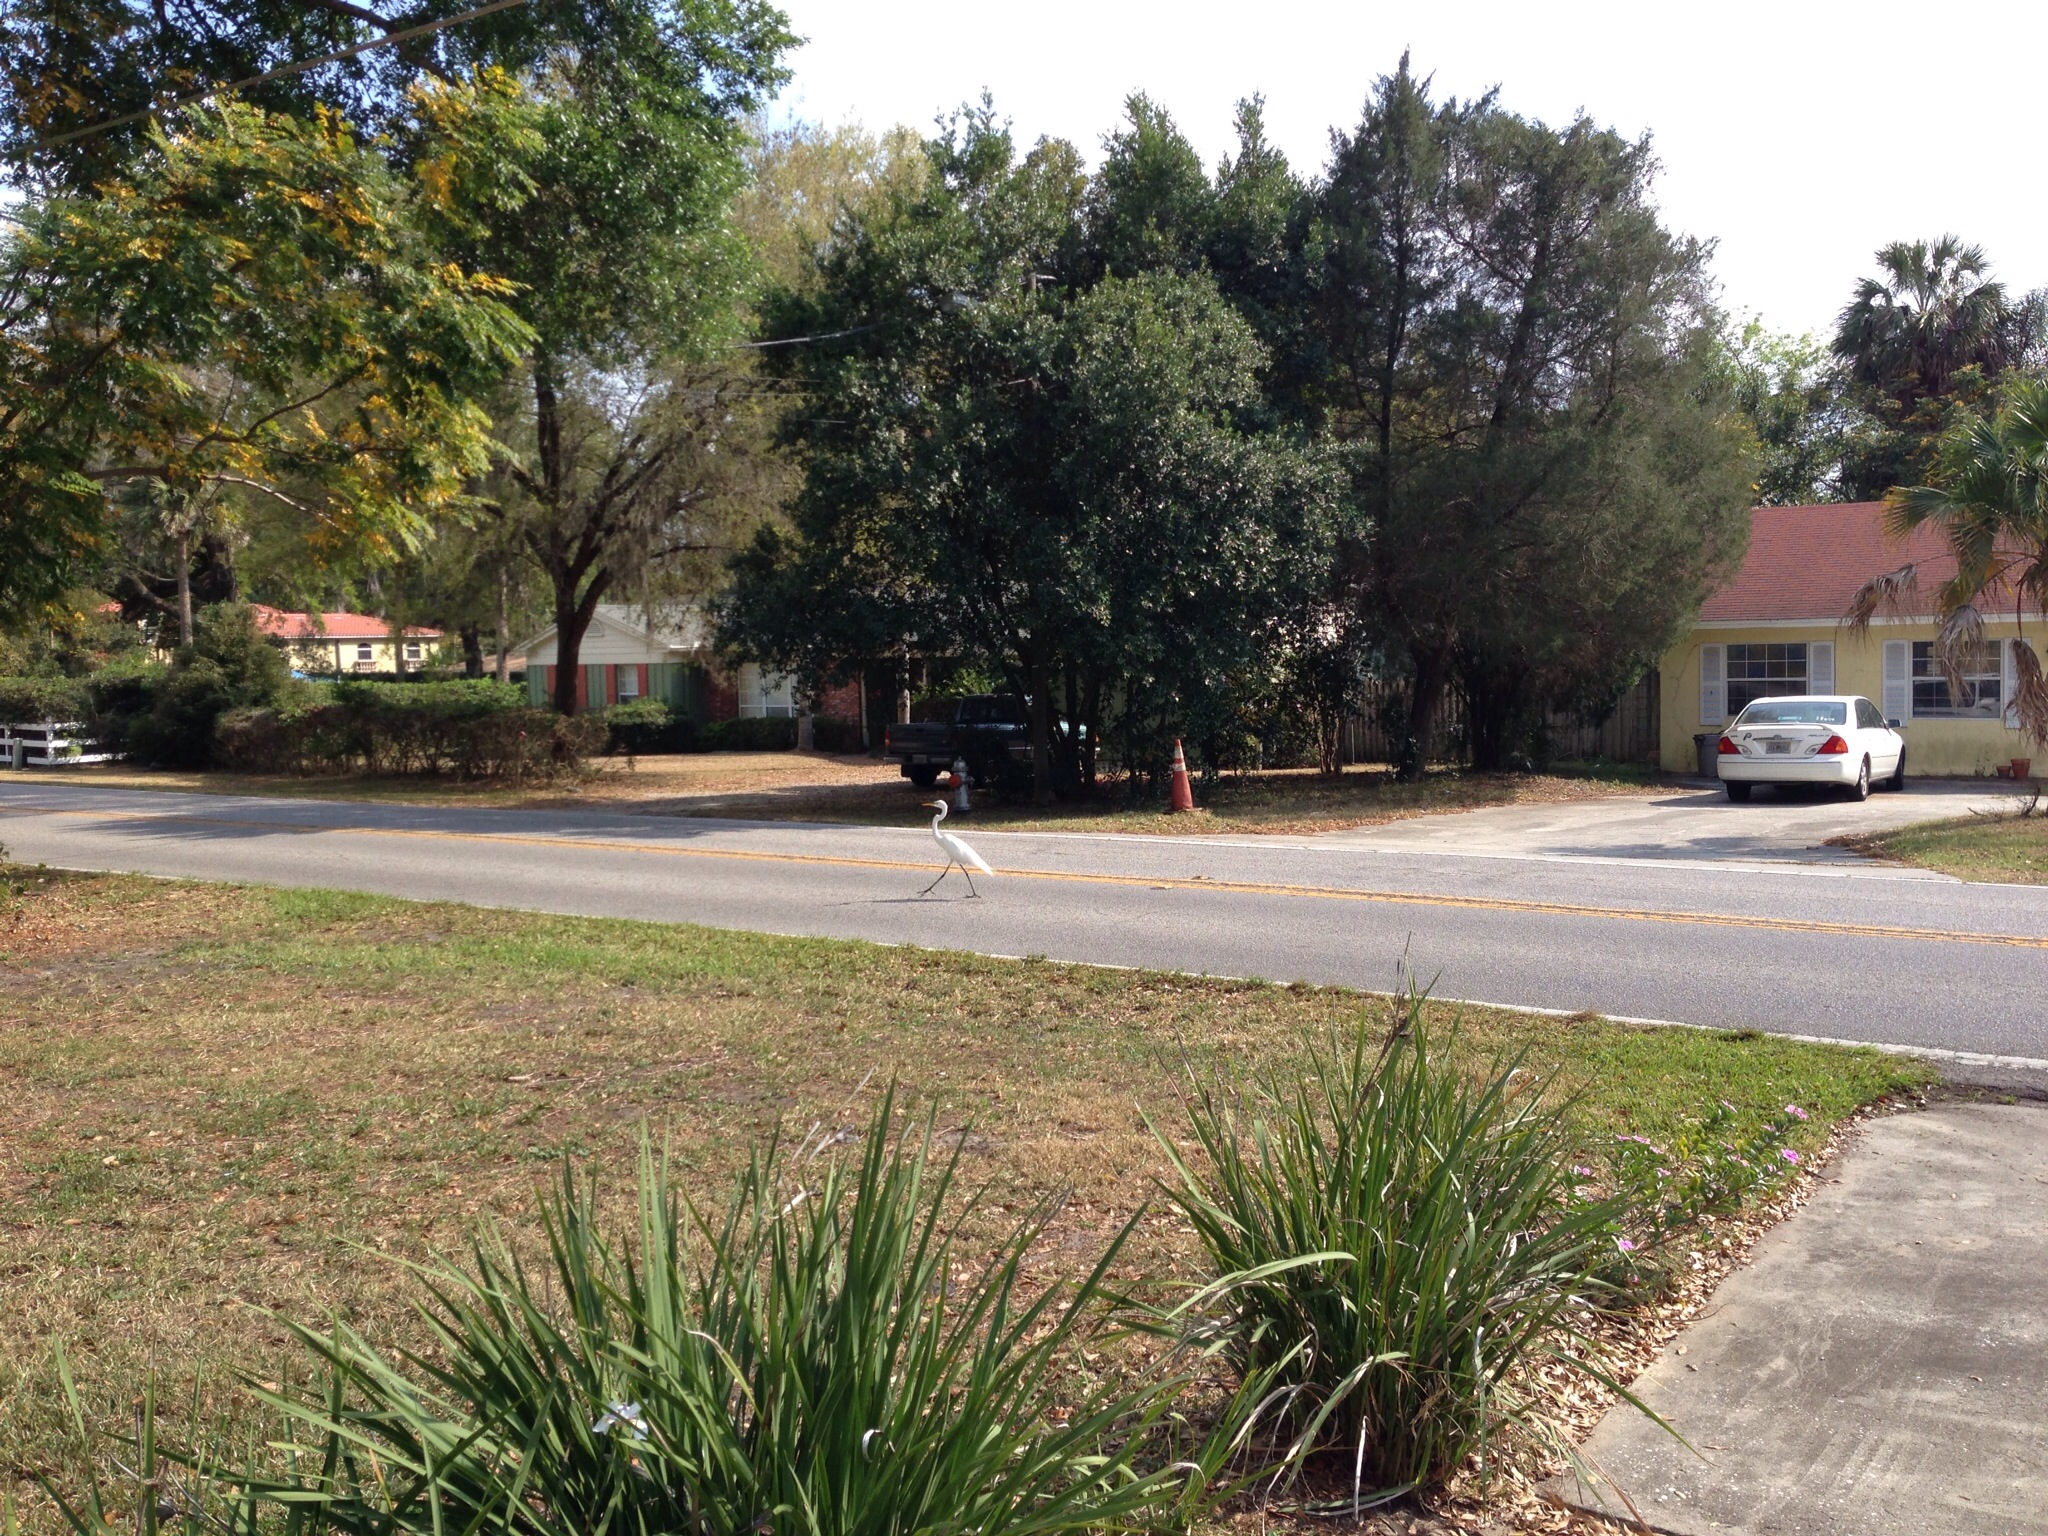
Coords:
1860,790
1898,779
1738,792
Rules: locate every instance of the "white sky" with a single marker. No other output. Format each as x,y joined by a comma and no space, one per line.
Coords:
1801,135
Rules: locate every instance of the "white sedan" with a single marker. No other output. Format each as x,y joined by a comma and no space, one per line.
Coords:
1813,739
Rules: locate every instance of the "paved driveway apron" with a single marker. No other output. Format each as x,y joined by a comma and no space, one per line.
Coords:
1877,1370
1696,825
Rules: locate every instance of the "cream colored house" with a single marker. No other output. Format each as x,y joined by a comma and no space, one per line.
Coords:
1779,628
344,644
627,656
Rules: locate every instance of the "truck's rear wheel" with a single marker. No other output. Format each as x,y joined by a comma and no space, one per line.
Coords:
924,778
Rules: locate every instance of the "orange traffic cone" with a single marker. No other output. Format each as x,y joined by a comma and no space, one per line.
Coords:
1183,794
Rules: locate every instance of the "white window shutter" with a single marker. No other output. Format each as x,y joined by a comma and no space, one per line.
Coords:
1713,685
1820,667
1898,680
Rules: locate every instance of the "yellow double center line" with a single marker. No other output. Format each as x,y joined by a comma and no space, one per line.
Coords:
1140,882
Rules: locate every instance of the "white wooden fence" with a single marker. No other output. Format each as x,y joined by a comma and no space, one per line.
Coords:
48,744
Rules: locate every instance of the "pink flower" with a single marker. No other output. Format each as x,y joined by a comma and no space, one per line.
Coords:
1789,1155
1624,1245
1794,1109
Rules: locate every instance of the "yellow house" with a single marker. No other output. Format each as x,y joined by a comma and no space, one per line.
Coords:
342,644
1779,628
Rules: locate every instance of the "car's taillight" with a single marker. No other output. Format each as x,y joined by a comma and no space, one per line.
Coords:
1834,746
1729,749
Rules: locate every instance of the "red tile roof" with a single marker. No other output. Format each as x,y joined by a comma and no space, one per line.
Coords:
1807,563
281,625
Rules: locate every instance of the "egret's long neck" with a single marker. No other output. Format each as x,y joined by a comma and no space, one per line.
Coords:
940,817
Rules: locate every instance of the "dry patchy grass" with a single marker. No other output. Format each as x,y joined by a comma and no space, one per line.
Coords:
2011,849
228,1102
792,786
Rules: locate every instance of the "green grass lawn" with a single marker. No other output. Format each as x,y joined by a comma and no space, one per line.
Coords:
228,1102
2013,849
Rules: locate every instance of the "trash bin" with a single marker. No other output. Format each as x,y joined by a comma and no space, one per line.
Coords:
1709,750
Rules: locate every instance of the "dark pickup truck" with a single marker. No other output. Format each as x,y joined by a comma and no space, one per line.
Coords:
988,731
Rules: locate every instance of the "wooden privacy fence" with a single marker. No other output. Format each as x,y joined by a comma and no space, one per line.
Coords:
1627,735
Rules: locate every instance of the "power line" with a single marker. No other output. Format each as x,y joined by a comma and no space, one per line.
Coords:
791,341
274,74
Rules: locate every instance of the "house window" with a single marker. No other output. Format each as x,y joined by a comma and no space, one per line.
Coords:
764,694
1764,672
1983,690
412,650
366,657
629,683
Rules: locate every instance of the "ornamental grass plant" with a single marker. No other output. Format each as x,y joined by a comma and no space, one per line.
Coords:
1392,1242
817,1360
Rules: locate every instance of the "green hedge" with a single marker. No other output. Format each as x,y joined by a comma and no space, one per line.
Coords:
32,700
829,733
647,726
751,735
468,729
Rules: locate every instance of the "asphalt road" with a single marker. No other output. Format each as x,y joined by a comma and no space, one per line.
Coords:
1855,953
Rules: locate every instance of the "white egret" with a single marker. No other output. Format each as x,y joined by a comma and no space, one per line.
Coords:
956,851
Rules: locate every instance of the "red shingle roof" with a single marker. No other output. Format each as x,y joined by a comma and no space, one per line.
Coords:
1807,563
280,625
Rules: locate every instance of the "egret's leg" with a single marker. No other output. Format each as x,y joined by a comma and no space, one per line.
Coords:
972,893
942,875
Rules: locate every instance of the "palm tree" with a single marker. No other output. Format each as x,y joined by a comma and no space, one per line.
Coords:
1935,311
1989,501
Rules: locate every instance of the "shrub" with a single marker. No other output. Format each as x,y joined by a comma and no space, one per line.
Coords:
815,1360
228,666
31,700
121,693
759,734
645,725
471,728
829,733
1393,1244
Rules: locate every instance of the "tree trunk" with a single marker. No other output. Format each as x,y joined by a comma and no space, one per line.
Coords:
1091,719
1329,737
569,631
1041,733
1432,673
1497,711
504,666
472,650
1070,738
184,586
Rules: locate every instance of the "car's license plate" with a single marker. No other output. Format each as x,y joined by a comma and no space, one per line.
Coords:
1778,748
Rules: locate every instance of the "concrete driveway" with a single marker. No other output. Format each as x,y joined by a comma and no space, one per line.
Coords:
1692,824
1875,1369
